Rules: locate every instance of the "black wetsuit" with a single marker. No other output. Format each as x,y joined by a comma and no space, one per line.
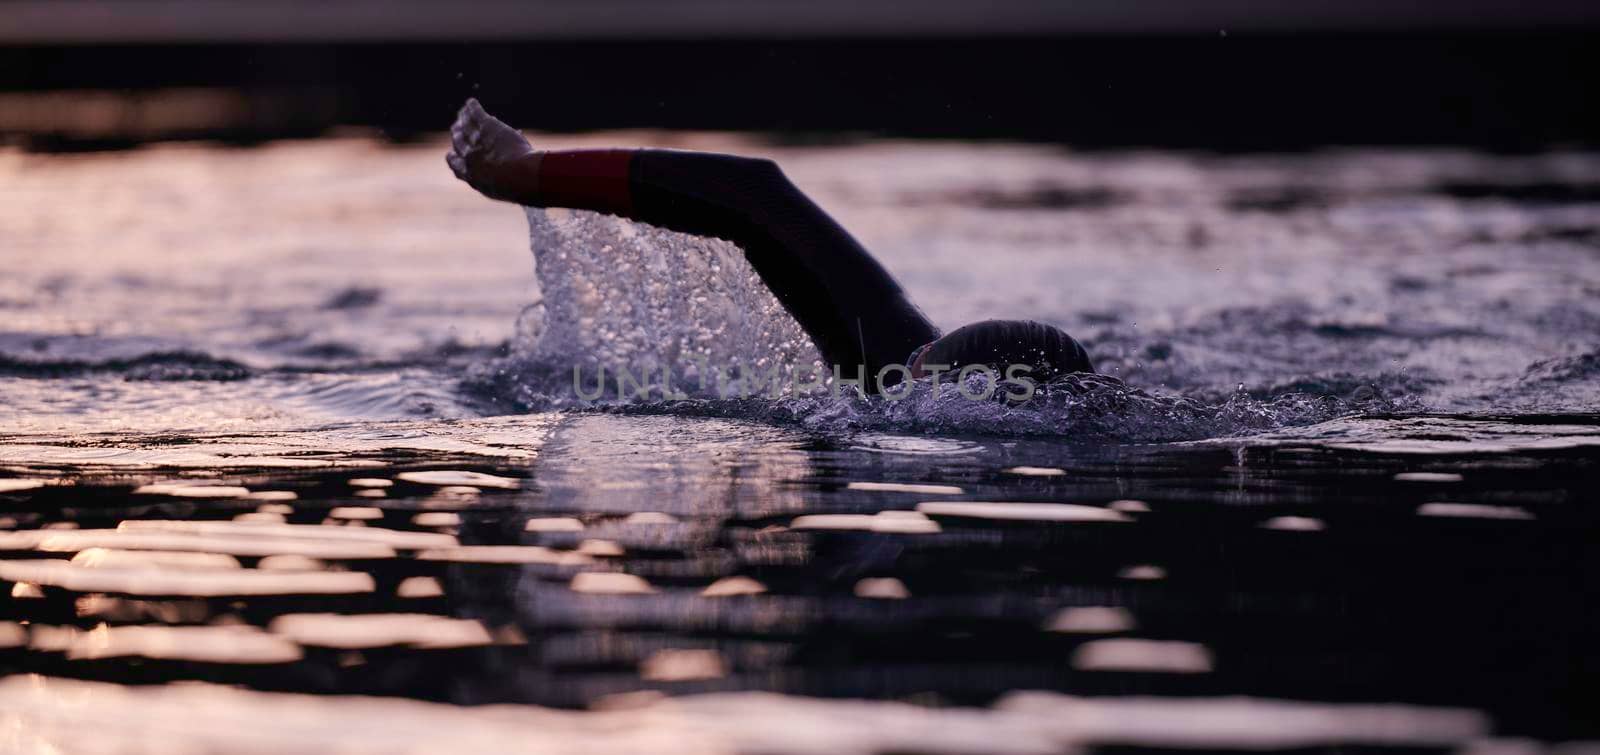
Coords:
857,314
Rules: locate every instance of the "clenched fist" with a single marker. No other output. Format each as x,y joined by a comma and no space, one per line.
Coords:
486,153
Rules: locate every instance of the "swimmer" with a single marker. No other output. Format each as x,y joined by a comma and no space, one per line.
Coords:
853,310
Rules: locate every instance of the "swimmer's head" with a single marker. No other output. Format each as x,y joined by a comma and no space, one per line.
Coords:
997,344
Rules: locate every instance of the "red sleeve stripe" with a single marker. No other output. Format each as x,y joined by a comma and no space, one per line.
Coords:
589,179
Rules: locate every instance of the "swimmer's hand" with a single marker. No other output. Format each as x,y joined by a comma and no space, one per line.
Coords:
490,156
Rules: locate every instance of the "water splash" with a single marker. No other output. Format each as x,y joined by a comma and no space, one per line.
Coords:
697,333
619,293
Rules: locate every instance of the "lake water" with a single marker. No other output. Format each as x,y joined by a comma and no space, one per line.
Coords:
302,418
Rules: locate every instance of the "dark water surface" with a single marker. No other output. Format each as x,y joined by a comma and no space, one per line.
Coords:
1285,571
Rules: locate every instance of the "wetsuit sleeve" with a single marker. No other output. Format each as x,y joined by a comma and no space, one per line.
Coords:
851,307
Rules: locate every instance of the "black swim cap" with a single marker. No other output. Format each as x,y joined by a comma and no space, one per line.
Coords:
1000,343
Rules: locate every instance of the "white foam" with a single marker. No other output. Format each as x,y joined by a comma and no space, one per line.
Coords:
553,524
733,586
890,522
189,583
454,478
273,495
1128,654
1036,471
1035,512
649,517
1472,511
905,487
236,544
109,558
370,535
1428,477
290,562
17,485
437,519
64,715
1243,723
1294,524
12,635
1090,620
682,666
601,549
1142,572
181,490
610,583
203,644
363,631
882,588
419,587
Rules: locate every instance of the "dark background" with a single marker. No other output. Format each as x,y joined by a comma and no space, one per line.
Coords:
1207,74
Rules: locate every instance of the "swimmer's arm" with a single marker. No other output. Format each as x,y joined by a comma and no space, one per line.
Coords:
851,307
854,311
